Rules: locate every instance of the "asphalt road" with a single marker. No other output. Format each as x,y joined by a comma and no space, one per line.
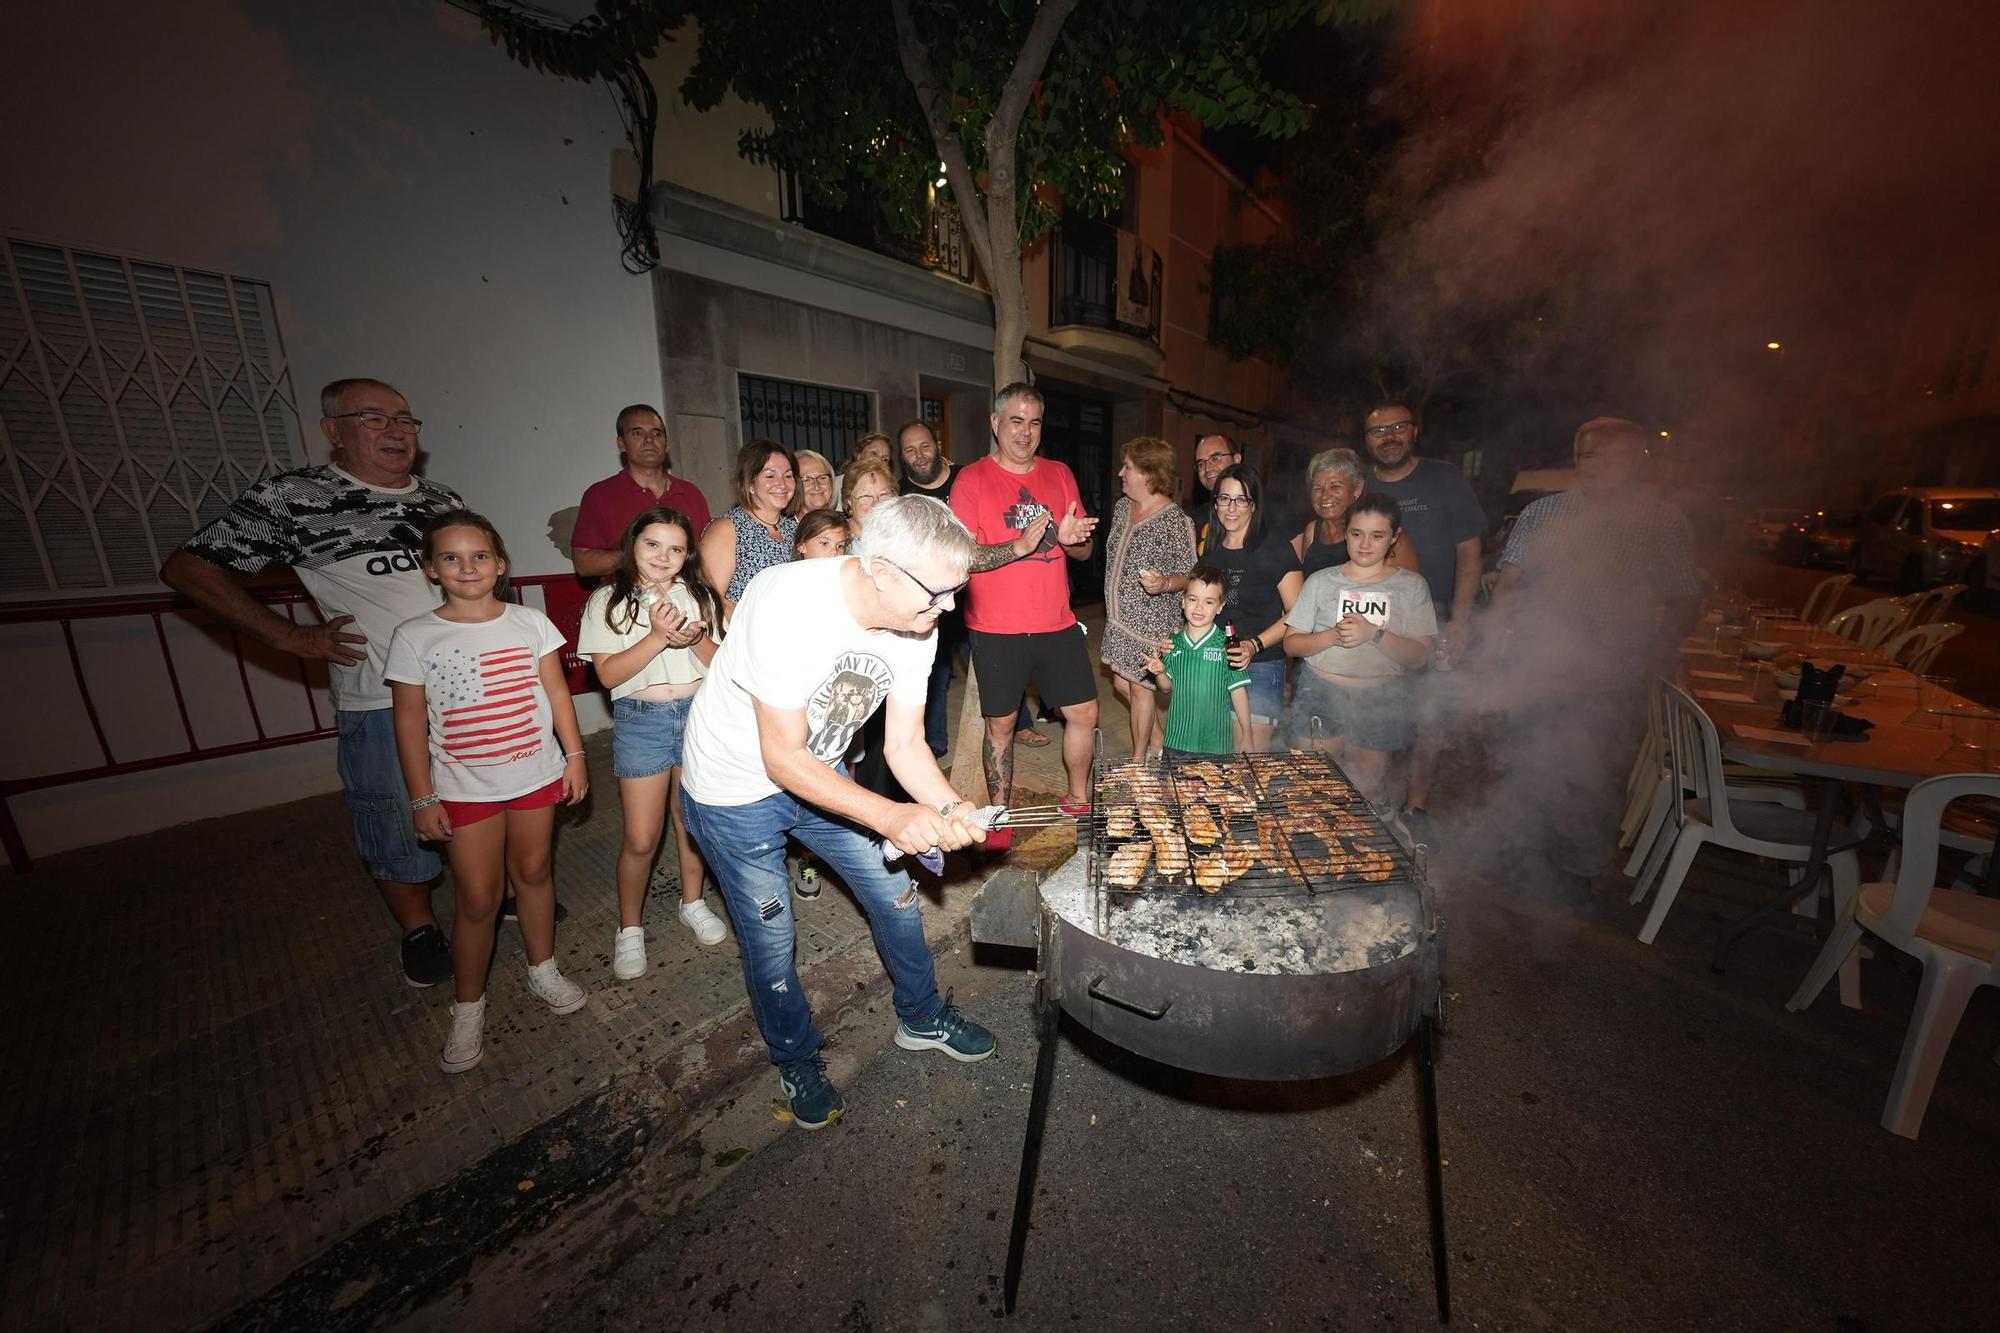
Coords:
1633,1143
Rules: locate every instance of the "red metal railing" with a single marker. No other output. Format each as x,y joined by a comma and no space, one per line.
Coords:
562,592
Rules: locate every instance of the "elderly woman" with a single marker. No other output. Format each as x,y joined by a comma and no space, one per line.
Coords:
815,482
1264,581
1335,480
1147,557
759,530
865,482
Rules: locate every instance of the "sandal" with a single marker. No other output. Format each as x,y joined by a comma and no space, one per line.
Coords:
1031,738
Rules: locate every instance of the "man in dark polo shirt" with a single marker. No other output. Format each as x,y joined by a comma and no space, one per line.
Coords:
610,505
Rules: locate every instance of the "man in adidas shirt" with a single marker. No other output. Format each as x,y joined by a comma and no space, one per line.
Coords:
352,530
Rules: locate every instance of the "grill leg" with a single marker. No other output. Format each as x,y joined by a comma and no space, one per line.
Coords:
1433,1166
1031,1146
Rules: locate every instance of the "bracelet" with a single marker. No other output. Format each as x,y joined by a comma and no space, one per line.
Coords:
425,802
572,754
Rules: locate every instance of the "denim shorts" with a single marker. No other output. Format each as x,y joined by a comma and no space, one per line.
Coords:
1380,717
378,800
646,735
1267,691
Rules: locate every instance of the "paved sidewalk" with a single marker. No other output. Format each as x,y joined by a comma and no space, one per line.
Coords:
217,1071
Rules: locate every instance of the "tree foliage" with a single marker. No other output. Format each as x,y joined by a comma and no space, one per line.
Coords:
839,108
1023,108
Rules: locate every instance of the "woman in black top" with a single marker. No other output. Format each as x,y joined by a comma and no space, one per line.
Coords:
1336,480
1264,581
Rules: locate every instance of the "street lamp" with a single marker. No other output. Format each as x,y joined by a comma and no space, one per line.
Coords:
1775,346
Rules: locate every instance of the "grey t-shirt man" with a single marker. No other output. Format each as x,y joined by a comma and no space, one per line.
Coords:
1439,512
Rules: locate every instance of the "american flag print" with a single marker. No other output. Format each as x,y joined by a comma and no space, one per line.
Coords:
487,704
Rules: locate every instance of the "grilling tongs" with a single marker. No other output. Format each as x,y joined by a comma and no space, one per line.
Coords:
988,817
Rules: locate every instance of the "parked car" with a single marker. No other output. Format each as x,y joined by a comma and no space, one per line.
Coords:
1922,536
1764,526
1823,537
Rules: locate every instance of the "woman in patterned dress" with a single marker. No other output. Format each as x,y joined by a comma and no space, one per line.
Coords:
758,533
1148,555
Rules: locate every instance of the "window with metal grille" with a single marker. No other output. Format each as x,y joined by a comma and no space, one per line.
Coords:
137,400
805,416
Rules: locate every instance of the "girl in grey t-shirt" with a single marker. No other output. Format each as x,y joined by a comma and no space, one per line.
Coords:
1361,627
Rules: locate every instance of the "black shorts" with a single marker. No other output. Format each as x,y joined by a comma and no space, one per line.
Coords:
1056,663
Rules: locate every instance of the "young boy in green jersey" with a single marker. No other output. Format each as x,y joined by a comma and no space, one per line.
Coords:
1208,702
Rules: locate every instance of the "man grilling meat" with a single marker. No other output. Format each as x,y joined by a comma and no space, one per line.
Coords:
815,647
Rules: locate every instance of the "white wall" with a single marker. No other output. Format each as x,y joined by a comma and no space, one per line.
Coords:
425,211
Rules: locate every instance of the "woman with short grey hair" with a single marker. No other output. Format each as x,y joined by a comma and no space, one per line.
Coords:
1335,479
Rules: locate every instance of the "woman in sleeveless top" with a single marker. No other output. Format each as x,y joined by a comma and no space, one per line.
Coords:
761,526
1148,555
1336,480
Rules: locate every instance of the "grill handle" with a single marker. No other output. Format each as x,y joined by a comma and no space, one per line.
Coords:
1096,991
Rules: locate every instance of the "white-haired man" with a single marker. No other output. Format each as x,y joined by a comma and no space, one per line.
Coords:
815,647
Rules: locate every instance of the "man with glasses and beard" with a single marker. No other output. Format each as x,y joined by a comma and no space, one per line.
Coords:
1443,520
1212,454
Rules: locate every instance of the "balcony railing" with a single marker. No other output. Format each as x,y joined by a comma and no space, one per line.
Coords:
1104,277
303,683
943,249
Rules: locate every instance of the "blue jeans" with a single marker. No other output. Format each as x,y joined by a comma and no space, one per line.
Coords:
745,847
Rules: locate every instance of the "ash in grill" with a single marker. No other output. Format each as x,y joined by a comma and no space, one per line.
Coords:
1244,826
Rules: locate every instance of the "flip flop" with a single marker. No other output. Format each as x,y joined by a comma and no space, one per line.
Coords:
1031,738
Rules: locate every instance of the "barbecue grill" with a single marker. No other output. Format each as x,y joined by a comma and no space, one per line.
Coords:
1245,916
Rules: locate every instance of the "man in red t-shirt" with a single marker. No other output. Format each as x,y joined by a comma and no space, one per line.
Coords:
610,505
1017,606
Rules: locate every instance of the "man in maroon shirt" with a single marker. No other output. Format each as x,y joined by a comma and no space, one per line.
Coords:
610,505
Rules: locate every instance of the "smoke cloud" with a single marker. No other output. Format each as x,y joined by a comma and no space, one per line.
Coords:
1671,184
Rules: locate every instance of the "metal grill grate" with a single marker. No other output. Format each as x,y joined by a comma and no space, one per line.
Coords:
804,416
1238,826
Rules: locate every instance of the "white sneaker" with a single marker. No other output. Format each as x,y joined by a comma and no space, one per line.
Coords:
554,989
628,953
466,1044
705,924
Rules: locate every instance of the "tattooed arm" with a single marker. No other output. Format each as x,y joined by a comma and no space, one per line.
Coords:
986,558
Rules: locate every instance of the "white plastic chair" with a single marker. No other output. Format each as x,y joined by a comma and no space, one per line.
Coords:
1955,935
1712,813
1930,607
1871,622
1824,597
1915,649
1650,794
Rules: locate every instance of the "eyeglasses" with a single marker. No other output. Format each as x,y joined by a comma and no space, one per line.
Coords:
1390,428
811,483
1233,501
937,595
380,420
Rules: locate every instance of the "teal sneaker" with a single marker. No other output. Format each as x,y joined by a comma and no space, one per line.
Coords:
948,1031
815,1102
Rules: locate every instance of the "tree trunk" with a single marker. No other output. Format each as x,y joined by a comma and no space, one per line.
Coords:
1010,317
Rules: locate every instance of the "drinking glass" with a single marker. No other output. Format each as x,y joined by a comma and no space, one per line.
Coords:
1816,720
1934,695
1972,737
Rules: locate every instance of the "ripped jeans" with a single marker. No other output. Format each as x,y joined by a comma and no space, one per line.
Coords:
745,847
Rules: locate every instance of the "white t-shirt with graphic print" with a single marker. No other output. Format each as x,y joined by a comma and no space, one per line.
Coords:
491,731
793,644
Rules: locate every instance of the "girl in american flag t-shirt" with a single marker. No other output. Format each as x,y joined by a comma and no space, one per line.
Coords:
489,746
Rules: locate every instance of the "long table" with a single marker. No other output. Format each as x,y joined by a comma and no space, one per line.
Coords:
1899,752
